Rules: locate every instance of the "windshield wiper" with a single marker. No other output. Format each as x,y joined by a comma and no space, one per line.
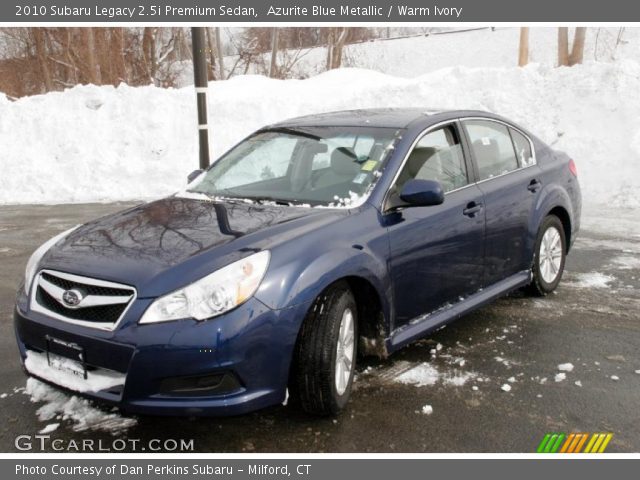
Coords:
262,199
294,131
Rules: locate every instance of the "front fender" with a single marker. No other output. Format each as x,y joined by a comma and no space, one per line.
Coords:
299,282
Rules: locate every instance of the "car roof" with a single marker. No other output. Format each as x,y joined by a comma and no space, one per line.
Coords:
380,117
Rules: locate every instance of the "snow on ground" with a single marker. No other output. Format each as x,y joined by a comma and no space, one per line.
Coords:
52,427
80,412
425,375
105,144
565,367
590,280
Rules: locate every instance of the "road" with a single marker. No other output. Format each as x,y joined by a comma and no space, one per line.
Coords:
592,322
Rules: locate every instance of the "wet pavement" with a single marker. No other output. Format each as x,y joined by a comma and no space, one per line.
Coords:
492,379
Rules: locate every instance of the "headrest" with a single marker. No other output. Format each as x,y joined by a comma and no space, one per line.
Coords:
417,159
344,161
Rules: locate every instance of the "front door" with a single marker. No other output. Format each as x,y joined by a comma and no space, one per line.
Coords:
437,252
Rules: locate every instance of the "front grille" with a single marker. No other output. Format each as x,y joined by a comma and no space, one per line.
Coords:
102,303
67,284
99,314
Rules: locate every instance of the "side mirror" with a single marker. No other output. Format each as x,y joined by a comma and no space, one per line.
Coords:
422,193
193,175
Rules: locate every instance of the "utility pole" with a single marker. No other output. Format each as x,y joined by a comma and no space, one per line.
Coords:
198,43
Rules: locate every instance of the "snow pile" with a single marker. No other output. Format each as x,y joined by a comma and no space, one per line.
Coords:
565,367
423,375
58,405
63,372
427,410
426,375
560,377
52,427
591,280
104,144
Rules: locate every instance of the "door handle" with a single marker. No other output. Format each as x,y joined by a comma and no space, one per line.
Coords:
472,208
534,185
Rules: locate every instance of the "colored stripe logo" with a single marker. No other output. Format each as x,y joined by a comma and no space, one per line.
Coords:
574,443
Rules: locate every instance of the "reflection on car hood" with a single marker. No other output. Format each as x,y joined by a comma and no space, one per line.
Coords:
134,245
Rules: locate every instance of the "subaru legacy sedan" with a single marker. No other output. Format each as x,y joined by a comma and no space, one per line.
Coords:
310,243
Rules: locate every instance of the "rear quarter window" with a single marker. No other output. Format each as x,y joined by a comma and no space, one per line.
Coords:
522,146
492,148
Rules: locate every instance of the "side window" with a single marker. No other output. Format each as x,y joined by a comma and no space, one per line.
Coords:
492,148
437,156
523,148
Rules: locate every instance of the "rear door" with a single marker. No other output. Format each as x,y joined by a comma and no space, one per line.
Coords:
510,181
437,252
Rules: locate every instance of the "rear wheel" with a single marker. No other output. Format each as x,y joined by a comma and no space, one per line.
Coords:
549,257
325,354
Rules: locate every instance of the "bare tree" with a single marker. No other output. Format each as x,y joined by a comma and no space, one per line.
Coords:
273,67
577,51
43,62
523,50
563,46
337,38
220,53
120,69
212,58
575,57
148,51
92,72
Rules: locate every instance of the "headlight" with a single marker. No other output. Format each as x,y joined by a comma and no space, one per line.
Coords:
34,260
212,295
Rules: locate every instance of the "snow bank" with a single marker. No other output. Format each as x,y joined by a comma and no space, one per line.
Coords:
104,143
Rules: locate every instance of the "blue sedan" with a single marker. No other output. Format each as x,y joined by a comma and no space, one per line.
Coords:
310,243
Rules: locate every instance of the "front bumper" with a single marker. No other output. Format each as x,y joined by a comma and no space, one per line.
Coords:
250,348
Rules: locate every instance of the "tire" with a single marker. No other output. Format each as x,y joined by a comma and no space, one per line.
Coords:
549,257
323,372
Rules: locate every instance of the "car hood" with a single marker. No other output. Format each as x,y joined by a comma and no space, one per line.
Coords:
158,246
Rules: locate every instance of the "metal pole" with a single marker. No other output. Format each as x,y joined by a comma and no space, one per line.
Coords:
198,43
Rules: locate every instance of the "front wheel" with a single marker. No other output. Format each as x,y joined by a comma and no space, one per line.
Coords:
549,257
325,354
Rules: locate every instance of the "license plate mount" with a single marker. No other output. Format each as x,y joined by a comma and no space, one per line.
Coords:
66,356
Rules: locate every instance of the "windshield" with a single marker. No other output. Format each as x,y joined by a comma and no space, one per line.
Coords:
316,166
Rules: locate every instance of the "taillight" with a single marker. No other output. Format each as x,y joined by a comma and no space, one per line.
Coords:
572,168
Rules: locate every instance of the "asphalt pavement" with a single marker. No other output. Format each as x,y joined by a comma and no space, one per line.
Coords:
492,381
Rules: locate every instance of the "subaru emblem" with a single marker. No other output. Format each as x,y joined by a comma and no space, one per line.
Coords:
72,298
